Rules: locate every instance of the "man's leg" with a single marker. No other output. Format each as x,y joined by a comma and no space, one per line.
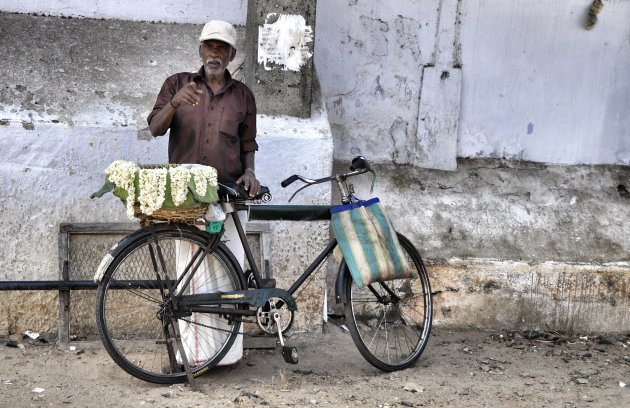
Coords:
233,242
206,280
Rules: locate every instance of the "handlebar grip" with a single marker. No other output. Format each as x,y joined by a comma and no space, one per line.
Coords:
359,163
289,180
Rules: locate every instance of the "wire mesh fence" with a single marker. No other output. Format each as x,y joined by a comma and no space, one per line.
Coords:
86,246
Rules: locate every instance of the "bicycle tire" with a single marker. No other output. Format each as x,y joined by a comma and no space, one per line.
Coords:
133,321
391,334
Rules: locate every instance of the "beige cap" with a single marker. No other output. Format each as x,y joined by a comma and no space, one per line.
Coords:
219,30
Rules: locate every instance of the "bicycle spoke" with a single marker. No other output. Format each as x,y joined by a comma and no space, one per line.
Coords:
156,271
139,292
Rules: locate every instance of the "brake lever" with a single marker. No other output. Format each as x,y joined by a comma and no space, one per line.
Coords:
298,190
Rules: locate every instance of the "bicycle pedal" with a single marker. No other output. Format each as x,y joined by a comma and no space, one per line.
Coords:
290,354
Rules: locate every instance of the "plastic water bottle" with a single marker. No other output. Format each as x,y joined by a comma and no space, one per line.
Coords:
215,216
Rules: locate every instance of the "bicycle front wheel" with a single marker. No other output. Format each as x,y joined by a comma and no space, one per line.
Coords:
390,321
136,318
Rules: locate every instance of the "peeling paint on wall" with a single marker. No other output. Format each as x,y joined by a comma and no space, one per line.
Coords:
284,42
565,298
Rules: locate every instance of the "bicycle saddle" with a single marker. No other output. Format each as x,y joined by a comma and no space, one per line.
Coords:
233,191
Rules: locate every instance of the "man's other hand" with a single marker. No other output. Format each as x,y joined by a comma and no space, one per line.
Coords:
249,182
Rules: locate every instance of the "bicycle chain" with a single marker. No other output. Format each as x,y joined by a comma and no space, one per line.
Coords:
218,328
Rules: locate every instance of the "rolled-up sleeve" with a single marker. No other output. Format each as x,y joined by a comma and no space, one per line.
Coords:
248,136
166,94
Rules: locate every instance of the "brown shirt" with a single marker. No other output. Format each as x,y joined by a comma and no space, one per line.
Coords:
218,131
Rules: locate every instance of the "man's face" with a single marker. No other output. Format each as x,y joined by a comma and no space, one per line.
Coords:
216,55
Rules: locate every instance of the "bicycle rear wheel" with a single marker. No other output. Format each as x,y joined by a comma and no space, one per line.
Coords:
390,321
136,317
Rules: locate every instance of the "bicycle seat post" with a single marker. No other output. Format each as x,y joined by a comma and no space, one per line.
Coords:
232,209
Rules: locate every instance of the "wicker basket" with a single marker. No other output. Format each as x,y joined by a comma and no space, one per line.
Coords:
185,216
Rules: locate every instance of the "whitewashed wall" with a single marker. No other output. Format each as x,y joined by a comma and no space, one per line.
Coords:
72,103
405,82
535,84
538,86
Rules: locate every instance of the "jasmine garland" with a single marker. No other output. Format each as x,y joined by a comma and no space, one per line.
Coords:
152,183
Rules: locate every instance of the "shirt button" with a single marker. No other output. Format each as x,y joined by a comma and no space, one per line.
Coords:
209,124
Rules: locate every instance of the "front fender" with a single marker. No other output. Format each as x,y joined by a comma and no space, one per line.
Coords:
151,229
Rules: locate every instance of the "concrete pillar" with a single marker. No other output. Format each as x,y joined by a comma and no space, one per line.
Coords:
440,95
279,67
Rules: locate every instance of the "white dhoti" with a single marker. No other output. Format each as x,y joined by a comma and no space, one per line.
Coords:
195,337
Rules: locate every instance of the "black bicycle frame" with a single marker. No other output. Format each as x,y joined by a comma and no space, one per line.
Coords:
283,213
208,302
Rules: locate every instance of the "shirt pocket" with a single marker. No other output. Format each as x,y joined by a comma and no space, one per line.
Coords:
231,120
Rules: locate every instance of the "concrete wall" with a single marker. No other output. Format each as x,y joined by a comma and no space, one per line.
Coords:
538,86
461,86
534,84
198,12
518,244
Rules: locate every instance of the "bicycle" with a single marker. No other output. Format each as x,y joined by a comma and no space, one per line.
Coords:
175,279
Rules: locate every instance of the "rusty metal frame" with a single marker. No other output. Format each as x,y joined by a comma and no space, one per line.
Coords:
66,230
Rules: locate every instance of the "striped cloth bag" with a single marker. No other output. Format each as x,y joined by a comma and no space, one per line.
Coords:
368,242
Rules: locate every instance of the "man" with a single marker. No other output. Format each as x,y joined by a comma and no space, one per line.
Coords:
212,117
212,121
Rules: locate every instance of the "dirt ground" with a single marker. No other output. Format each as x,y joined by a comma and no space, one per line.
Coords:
459,368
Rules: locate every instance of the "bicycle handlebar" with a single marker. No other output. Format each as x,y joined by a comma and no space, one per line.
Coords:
289,180
358,166
359,163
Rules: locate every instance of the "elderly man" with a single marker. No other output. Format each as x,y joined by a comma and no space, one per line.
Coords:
212,117
212,121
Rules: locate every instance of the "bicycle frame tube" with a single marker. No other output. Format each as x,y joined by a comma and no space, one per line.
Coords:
310,213
205,302
313,266
248,251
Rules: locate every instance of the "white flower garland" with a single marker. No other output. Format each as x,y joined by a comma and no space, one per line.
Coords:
179,183
152,183
203,176
122,173
152,186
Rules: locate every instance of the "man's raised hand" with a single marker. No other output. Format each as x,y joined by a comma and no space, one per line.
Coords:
189,94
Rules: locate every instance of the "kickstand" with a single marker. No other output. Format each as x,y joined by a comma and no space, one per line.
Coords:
191,380
290,354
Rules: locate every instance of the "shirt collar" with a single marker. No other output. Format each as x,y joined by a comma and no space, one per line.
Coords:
200,77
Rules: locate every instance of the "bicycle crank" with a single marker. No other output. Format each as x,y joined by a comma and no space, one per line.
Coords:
265,320
290,354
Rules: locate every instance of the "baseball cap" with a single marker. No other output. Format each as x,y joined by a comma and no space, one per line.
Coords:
219,30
